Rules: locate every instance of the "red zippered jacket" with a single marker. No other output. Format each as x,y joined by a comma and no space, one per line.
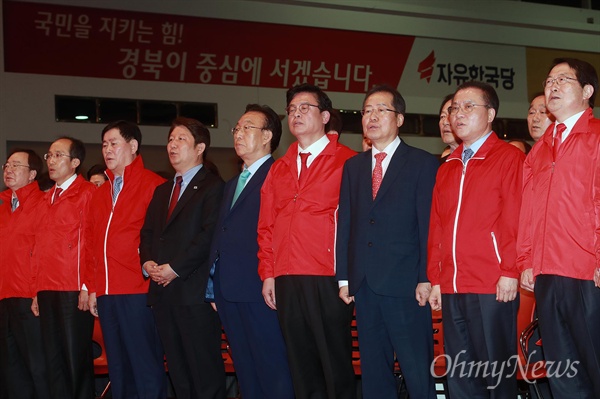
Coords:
112,249
297,225
559,232
60,242
17,241
475,218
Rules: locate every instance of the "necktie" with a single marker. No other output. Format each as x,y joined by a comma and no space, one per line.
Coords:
467,154
175,195
14,204
303,167
117,188
560,129
241,183
57,192
378,173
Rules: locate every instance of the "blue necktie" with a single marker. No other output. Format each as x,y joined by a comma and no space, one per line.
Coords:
117,188
14,204
241,183
467,154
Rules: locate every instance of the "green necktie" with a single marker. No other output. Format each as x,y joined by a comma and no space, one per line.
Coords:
240,185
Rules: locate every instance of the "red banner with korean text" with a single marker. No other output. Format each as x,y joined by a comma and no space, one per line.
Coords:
90,42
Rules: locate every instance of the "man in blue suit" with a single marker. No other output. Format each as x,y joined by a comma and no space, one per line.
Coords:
253,331
385,200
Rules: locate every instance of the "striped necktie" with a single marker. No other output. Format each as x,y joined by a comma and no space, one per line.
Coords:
117,188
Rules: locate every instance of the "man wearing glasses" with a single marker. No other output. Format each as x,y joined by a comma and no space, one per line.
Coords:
385,200
559,230
472,248
252,328
62,300
296,237
22,361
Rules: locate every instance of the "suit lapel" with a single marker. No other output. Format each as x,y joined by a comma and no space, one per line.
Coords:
189,192
396,165
255,182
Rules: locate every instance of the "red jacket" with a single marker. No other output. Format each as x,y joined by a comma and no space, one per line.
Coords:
559,232
17,241
60,241
113,233
297,225
474,219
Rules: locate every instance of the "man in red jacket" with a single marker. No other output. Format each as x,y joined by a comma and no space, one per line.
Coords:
296,238
559,231
472,248
22,363
114,275
61,303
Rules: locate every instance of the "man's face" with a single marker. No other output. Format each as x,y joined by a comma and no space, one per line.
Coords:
97,180
60,165
251,141
566,100
380,125
312,123
538,118
470,126
18,174
445,128
117,152
183,153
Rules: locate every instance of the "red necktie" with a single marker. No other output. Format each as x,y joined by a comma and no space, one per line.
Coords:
175,195
57,192
560,128
303,167
378,172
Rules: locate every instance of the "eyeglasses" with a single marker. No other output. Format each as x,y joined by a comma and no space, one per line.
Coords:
561,80
379,111
246,128
304,107
56,156
466,108
13,166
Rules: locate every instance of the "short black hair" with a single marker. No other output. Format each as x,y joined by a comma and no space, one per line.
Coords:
585,72
397,100
335,121
447,98
76,150
96,170
490,97
272,122
128,130
199,132
323,100
33,159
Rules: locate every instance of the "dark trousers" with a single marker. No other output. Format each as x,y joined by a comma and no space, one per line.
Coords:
480,338
133,349
67,337
257,348
191,336
569,318
388,325
22,361
316,327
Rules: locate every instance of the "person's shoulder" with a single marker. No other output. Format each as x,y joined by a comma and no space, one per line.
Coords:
151,178
344,151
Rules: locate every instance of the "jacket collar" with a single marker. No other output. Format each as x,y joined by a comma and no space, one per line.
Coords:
481,153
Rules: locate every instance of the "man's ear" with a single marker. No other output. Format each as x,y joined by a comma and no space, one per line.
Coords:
133,143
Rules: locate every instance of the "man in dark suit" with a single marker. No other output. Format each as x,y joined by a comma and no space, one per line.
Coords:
252,328
174,250
385,200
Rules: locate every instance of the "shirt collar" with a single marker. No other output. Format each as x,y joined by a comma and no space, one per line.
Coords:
187,176
257,164
315,148
67,183
569,122
389,150
477,145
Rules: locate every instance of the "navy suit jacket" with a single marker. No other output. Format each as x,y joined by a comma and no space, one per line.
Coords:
385,240
184,240
234,245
